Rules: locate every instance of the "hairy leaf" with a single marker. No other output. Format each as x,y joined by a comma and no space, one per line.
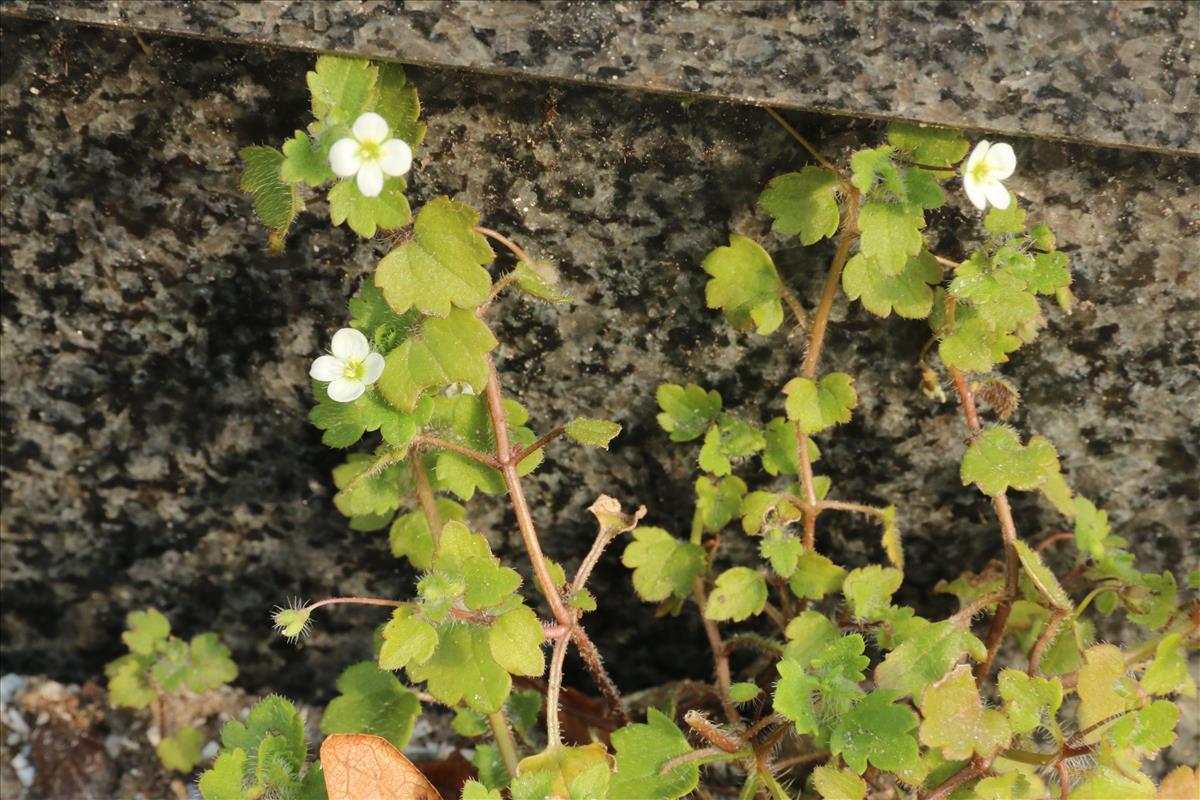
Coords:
869,591
956,721
879,732
516,639
936,147
662,565
275,202
371,701
816,576
463,669
441,266
744,285
594,432
407,639
907,292
443,351
891,234
803,203
739,593
686,411
641,750
926,657
818,405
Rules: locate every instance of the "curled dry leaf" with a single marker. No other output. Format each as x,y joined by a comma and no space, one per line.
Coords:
362,767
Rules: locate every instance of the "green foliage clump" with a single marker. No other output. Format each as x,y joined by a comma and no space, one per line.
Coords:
850,690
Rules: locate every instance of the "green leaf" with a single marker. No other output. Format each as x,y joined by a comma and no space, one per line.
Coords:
539,279
209,664
462,669
926,657
363,491
795,697
875,165
997,461
877,731
1147,730
803,203
271,718
1030,702
1153,603
1048,274
523,709
533,786
1097,687
305,161
781,453
686,411
820,405
869,591
592,783
224,780
937,147
464,558
411,537
744,285
566,765
921,189
172,665
662,565
407,639
891,234
128,686
146,630
839,784
730,438
1168,673
371,701
956,721
1091,527
816,576
1108,782
808,634
744,692
275,202
443,351
441,265
1005,222
388,210
341,87
783,551
399,106
181,752
516,639
473,790
1041,576
641,751
973,346
718,502
465,419
907,292
594,432
374,317
739,593
345,423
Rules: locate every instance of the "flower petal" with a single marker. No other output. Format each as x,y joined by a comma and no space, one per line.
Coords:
397,157
996,194
350,345
343,158
370,128
346,390
326,368
977,155
372,368
974,191
1001,160
370,180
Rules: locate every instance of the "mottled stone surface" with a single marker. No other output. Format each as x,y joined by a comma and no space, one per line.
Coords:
156,450
1117,73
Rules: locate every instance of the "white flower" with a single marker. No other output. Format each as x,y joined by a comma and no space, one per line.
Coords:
352,367
988,165
370,154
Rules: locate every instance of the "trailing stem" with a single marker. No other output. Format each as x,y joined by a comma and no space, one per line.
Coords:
816,339
506,456
504,740
720,656
1008,531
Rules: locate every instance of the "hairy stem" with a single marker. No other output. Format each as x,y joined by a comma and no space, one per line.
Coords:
504,740
777,791
793,304
720,657
1008,532
554,689
1045,640
797,761
482,458
705,755
359,601
512,246
964,776
425,497
520,455
591,659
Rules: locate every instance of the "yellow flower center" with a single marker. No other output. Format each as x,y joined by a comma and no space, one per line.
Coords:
354,370
370,151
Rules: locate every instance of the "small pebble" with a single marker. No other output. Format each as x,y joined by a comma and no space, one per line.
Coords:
24,770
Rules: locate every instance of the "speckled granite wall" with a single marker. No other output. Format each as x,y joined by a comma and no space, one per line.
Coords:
154,357
1115,72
